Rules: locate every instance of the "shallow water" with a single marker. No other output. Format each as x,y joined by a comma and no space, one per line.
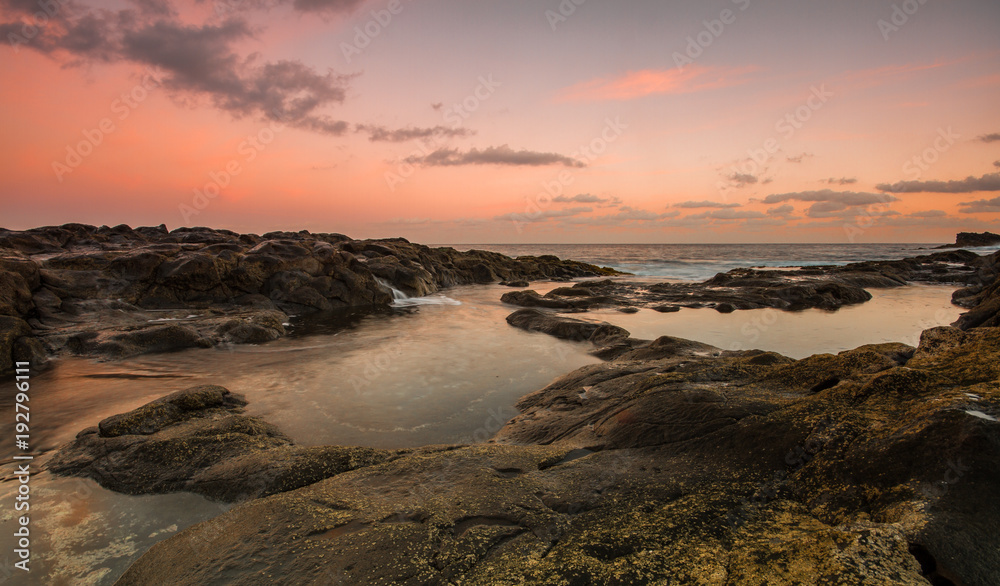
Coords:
444,372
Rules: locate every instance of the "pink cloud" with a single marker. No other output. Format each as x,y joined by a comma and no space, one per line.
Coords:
647,82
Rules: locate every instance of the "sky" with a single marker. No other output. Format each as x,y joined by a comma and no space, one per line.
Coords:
545,121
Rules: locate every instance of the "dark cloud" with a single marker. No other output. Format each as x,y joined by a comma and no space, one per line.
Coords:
383,134
848,198
992,137
159,8
742,179
501,155
705,204
726,215
996,164
329,6
798,158
982,206
782,210
841,181
988,182
437,106
192,60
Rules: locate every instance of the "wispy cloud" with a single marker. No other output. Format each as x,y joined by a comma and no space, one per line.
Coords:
928,214
740,180
840,181
992,137
648,82
850,198
586,198
988,182
501,155
726,215
545,215
705,204
982,206
382,134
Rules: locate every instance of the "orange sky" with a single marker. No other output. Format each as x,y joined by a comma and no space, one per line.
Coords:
476,122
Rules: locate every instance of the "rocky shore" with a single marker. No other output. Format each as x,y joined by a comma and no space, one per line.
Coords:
115,292
974,239
673,462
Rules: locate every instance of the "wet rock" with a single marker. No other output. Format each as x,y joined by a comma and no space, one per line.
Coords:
15,294
11,330
92,290
197,440
566,328
259,328
118,345
686,465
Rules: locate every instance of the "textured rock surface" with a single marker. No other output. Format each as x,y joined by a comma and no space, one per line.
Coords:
673,463
107,291
974,239
197,440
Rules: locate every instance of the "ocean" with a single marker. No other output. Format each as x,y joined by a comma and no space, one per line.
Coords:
698,262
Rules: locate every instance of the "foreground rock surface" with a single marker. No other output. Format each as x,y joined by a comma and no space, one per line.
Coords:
197,440
673,463
116,292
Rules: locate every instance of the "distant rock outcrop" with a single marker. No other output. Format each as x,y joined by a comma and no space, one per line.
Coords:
974,239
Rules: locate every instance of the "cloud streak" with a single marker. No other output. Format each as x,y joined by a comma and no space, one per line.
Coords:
378,133
850,198
982,206
705,204
501,155
988,182
647,82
